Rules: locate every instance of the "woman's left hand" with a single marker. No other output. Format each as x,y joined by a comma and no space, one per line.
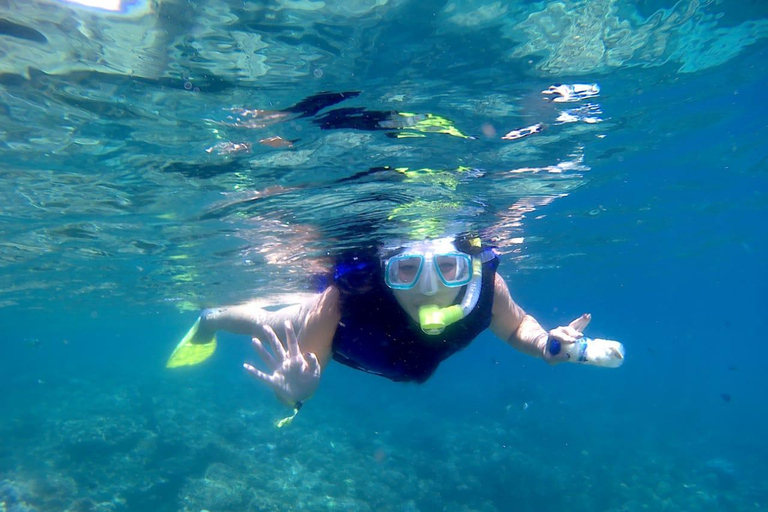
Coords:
566,335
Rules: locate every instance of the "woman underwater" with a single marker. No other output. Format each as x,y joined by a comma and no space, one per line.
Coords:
397,312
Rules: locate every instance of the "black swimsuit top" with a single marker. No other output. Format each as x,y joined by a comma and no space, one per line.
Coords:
376,335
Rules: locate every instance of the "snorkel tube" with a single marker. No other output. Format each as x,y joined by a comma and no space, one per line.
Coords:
434,319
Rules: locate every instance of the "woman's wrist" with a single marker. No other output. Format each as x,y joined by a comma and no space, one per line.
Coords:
542,342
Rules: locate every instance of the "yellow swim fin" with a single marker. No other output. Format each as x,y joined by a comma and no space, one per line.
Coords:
193,349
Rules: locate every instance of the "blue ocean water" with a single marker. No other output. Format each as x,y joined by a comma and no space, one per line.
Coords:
142,180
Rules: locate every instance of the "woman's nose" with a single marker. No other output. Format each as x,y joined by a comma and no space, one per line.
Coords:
428,281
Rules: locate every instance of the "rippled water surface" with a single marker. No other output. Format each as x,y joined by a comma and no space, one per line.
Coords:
142,143
161,156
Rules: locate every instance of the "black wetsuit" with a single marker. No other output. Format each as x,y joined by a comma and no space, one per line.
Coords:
376,335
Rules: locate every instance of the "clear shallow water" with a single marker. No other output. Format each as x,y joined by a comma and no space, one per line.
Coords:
117,223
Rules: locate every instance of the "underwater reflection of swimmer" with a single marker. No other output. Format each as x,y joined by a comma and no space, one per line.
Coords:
396,124
308,107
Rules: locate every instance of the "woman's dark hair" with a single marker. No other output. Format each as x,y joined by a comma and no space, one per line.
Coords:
358,271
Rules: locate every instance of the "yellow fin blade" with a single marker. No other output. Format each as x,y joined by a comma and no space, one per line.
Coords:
192,349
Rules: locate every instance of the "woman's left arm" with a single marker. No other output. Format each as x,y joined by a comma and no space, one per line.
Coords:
523,332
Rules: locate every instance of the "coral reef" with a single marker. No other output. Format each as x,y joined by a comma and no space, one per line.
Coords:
118,449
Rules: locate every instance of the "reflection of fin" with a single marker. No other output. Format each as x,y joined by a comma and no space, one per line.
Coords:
431,123
193,349
355,118
363,174
308,107
405,135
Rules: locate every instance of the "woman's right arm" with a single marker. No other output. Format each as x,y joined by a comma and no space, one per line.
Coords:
315,321
319,326
249,319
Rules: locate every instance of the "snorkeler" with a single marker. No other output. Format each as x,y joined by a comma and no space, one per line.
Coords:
397,312
396,124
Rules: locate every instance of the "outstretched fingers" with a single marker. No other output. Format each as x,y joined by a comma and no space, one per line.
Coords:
291,340
259,375
276,344
313,363
580,323
264,354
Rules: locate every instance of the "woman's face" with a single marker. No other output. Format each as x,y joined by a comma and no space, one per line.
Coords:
421,275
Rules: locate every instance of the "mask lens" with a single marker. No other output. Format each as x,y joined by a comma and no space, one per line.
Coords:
402,272
454,269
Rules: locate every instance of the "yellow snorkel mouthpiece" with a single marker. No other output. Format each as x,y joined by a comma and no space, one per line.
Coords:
434,319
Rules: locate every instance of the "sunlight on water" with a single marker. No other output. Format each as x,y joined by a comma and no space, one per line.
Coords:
154,139
113,6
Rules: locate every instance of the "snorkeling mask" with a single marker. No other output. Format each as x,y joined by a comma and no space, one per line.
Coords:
405,271
422,265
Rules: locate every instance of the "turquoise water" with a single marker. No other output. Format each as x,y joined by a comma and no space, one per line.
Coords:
139,184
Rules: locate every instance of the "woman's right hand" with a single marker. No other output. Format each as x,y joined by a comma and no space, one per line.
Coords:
295,376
